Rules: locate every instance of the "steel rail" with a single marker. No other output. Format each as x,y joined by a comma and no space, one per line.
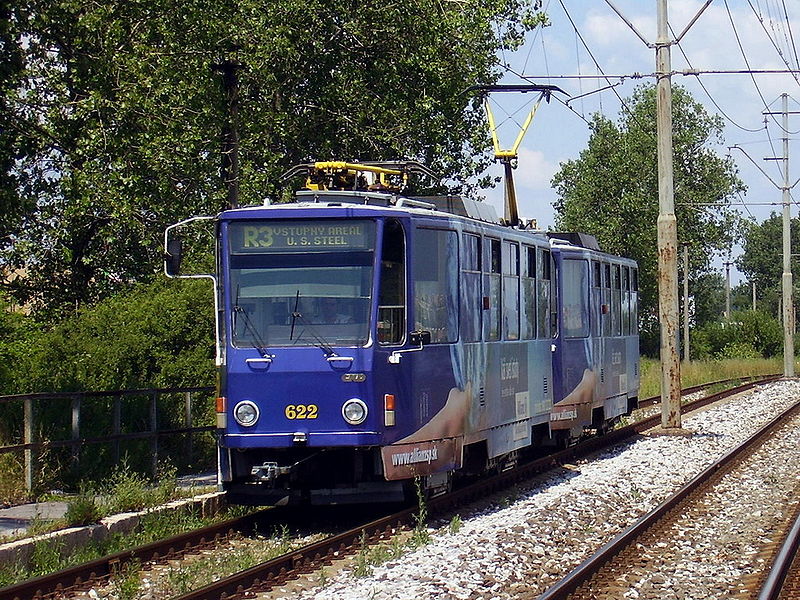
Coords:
79,575
782,564
282,568
277,571
700,387
584,572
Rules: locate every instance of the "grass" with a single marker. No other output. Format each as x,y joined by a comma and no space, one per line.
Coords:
124,491
203,570
371,556
455,524
47,555
12,482
705,371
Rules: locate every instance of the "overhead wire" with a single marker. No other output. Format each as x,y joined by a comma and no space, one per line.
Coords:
747,62
544,56
791,35
578,64
743,203
564,103
760,19
705,89
772,146
533,41
597,64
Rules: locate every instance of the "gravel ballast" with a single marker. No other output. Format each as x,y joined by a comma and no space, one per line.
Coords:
546,530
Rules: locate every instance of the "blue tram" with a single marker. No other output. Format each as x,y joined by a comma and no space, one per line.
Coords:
366,339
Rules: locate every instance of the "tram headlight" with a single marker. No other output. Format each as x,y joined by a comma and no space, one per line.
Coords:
354,411
245,413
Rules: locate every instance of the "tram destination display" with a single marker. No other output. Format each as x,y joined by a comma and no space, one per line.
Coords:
302,236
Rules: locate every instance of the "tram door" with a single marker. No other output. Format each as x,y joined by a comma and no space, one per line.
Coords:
575,376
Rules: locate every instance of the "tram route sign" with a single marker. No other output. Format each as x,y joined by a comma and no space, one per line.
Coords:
300,236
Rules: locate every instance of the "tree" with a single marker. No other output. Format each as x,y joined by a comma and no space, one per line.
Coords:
159,334
708,292
119,113
762,259
611,189
11,65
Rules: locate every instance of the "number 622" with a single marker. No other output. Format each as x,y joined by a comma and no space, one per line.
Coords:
301,411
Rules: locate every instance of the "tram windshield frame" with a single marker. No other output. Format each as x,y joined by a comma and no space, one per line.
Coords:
302,282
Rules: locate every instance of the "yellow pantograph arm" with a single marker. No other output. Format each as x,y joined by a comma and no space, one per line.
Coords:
512,153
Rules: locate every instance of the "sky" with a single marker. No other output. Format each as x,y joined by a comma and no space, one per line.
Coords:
558,134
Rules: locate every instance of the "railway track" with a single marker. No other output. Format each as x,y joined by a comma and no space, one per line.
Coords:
81,576
607,572
280,570
306,559
783,580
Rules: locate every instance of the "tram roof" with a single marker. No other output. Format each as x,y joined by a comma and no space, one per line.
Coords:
453,205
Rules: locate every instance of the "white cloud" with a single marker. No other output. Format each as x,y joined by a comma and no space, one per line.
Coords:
534,171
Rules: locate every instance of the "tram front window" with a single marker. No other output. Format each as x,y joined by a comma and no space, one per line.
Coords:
301,283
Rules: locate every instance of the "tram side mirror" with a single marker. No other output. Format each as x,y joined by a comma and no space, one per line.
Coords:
172,260
420,338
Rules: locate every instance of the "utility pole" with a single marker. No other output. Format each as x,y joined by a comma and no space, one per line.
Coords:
754,295
686,356
667,224
728,290
667,232
787,305
786,280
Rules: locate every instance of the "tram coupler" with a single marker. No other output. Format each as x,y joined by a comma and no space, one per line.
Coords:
268,472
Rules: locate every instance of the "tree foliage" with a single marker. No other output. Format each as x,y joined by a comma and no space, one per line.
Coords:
114,114
762,259
611,189
748,334
153,335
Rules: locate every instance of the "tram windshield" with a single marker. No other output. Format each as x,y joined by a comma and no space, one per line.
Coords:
301,283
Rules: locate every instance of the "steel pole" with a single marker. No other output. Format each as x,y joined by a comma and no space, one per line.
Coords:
786,280
667,233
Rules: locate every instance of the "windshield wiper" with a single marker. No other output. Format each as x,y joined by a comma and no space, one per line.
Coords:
295,314
248,325
318,339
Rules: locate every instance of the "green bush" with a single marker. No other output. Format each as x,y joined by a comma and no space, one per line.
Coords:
748,334
742,350
153,335
127,491
83,508
18,335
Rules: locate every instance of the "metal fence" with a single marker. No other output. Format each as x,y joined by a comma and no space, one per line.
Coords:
143,426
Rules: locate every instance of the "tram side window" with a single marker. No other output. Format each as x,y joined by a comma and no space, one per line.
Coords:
436,283
576,301
510,291
491,289
634,301
544,296
607,316
471,299
626,302
597,298
616,308
392,293
528,305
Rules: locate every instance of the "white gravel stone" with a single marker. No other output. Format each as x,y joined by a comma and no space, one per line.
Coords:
502,552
